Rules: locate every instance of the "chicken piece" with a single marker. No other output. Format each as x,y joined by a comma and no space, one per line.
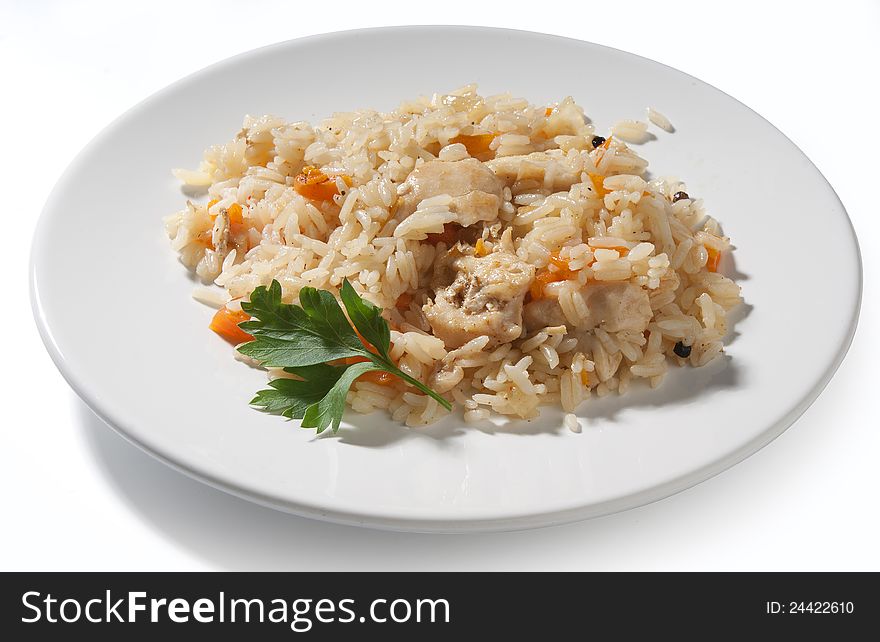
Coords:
619,306
543,313
554,171
478,296
475,190
612,306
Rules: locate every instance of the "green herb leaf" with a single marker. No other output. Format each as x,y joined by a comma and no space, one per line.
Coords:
289,335
329,410
302,339
292,397
367,318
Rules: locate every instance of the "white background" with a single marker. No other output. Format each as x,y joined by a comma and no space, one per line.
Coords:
76,496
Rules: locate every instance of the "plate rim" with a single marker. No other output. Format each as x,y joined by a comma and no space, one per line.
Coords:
423,524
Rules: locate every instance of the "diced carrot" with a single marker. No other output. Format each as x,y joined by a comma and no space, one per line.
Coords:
602,149
543,277
211,204
714,259
225,323
316,185
562,264
477,144
585,378
235,214
548,111
379,377
311,175
403,301
598,184
536,289
480,248
448,235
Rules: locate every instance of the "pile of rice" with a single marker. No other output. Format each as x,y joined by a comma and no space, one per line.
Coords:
634,232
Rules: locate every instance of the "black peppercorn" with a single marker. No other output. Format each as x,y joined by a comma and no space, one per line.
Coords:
598,140
678,196
682,350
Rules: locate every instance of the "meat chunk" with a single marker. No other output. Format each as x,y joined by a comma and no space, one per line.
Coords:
619,306
543,313
551,169
478,296
612,306
475,190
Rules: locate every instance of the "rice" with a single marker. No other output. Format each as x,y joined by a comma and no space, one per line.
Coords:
213,297
632,131
660,120
587,220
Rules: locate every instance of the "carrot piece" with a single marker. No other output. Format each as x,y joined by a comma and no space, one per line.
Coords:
598,184
225,323
379,377
316,185
548,111
585,378
208,207
480,248
714,259
602,149
562,264
562,273
234,213
536,289
477,144
542,278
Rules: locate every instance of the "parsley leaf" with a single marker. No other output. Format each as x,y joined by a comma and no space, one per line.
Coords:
303,339
329,410
292,397
291,335
367,318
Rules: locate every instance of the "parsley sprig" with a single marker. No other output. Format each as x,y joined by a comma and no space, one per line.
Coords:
304,338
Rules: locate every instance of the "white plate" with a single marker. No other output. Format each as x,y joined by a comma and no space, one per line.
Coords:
114,305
